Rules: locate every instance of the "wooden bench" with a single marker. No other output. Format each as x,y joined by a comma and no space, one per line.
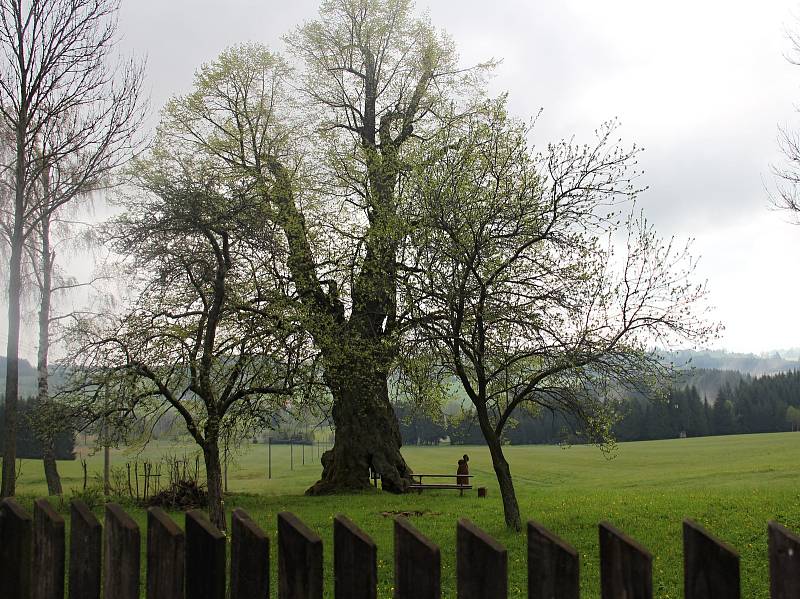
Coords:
419,486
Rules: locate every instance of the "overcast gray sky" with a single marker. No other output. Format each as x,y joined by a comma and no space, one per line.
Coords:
703,85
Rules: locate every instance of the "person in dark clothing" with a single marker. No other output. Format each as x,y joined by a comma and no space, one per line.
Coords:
463,468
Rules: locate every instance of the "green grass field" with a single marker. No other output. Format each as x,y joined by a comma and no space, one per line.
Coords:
731,485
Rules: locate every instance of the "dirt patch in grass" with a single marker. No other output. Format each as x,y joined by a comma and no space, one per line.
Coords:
409,513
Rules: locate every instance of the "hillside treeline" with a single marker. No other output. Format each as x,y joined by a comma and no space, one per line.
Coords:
746,363
765,404
752,405
28,444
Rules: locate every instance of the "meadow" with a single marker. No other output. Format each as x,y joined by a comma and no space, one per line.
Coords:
731,485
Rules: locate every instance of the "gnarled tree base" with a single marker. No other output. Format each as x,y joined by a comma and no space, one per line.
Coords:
367,437
351,473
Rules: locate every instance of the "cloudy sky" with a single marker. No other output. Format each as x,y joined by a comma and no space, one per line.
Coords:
703,85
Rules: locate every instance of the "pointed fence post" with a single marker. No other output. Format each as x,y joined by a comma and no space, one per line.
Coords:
249,558
417,564
299,559
85,552
48,552
355,561
626,568
553,566
710,567
122,548
481,564
16,534
205,558
166,555
784,562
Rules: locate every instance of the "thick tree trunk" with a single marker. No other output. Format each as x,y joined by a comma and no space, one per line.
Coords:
367,436
357,350
216,508
47,429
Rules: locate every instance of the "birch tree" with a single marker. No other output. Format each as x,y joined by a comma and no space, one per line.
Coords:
62,94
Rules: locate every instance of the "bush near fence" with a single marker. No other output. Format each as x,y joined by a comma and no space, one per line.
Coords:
192,563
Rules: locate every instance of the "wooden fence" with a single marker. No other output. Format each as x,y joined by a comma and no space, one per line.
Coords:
192,563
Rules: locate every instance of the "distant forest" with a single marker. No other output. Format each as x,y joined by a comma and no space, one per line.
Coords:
766,404
28,445
741,404
723,393
28,381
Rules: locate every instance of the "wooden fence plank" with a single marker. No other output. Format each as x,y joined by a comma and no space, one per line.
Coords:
205,558
16,534
299,559
417,564
166,556
553,566
481,564
122,547
85,552
784,562
48,552
710,567
249,558
626,568
355,561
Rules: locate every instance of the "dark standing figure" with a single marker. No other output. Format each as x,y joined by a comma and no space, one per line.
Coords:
463,468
